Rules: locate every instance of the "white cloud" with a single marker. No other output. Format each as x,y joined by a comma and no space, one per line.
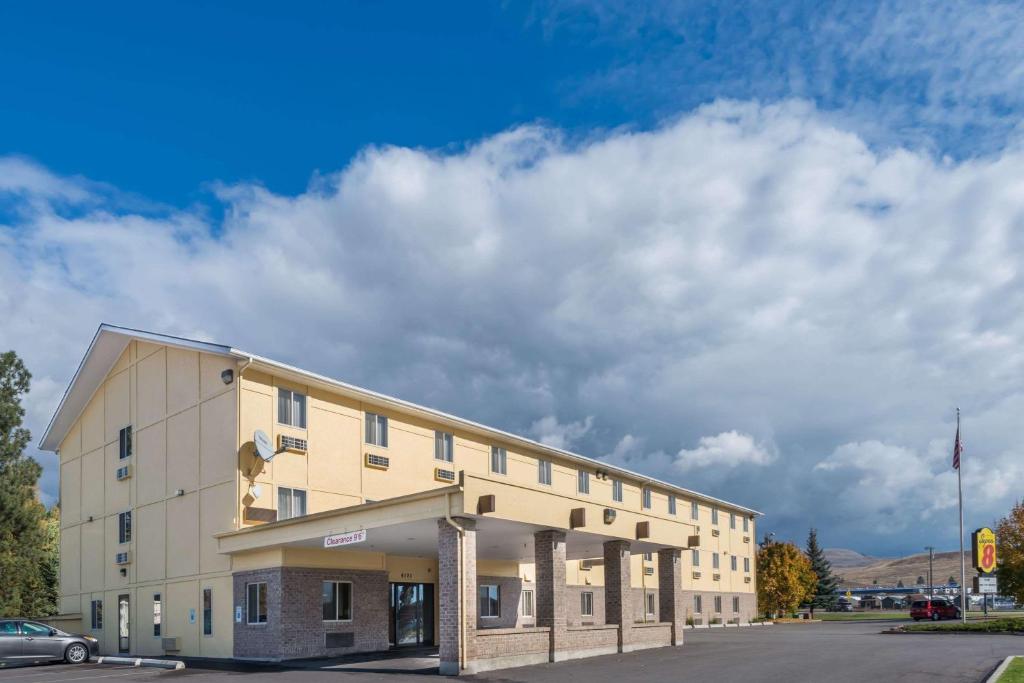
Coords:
744,270
728,449
548,430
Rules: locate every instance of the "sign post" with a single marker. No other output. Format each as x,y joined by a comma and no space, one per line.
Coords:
983,557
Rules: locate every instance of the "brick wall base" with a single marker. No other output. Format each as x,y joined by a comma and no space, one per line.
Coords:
295,627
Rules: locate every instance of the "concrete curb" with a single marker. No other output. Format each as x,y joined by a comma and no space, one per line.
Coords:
999,670
139,661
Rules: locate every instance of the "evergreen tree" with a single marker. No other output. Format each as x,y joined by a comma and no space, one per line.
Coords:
920,581
29,580
899,584
826,592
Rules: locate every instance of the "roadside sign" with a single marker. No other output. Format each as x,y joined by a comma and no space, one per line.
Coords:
849,594
347,538
983,550
985,584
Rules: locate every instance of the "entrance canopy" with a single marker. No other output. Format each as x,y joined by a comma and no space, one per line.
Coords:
507,517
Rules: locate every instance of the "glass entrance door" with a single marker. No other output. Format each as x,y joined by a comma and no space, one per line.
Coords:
412,614
122,623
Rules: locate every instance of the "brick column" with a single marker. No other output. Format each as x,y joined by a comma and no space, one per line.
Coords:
456,582
618,590
549,556
671,605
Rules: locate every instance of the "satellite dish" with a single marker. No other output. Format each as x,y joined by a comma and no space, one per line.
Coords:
255,490
264,449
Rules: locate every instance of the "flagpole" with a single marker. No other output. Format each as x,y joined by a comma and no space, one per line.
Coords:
963,563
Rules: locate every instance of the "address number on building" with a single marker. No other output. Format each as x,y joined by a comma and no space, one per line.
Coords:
347,538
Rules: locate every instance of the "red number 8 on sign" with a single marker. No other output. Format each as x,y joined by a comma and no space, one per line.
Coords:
988,557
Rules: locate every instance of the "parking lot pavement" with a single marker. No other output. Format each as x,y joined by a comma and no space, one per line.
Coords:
79,673
837,652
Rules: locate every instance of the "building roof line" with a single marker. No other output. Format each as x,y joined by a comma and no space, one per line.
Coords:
454,420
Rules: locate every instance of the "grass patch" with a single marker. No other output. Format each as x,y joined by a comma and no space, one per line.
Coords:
860,616
1014,673
1004,625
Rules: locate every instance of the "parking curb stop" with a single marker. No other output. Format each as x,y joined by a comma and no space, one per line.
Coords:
140,661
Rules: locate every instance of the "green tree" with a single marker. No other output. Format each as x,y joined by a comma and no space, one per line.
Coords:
826,591
920,581
785,579
899,584
29,579
1010,553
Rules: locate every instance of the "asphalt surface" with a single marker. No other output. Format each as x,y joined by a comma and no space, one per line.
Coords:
844,652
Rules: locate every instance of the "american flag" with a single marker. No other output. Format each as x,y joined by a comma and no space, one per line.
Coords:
958,447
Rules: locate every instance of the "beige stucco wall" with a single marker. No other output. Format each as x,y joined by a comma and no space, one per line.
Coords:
184,437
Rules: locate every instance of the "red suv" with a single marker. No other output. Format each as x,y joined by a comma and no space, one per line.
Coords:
934,609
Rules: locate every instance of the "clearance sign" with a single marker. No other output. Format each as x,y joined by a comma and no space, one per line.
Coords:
983,550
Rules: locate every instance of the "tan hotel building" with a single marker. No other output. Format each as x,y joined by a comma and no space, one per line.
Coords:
377,523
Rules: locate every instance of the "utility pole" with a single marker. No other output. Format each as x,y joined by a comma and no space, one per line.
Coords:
931,583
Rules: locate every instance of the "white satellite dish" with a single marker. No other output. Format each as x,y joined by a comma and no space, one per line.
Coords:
255,490
264,448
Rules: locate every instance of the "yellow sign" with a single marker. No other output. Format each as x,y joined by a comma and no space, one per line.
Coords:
983,550
849,594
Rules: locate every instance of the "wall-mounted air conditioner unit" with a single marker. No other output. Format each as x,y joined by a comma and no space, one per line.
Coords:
447,476
716,577
291,443
123,557
170,644
124,472
380,462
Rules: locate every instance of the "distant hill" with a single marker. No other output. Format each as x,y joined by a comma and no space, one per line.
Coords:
888,572
844,557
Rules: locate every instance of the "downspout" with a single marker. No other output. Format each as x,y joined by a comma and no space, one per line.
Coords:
462,584
238,432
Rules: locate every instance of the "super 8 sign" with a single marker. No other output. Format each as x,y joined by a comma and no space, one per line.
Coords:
983,550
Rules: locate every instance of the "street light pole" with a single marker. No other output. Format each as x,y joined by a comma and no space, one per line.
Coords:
931,582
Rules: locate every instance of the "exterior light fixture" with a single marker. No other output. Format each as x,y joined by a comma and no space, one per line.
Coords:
228,376
609,515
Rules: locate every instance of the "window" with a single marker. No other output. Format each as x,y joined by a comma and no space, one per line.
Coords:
671,504
290,503
544,472
97,615
526,604
735,604
714,560
718,604
499,460
587,604
444,446
650,604
8,628
35,630
207,611
714,515
124,442
693,510
490,601
646,498
337,600
583,481
377,429
256,603
732,521
696,557
124,527
697,607
291,408
617,490
157,614
746,524
648,557
732,561
746,564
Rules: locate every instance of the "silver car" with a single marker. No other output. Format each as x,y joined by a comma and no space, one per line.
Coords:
27,641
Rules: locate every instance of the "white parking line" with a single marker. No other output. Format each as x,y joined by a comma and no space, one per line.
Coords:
43,669
133,672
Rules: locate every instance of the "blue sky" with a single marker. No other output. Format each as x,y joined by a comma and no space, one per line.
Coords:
763,251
